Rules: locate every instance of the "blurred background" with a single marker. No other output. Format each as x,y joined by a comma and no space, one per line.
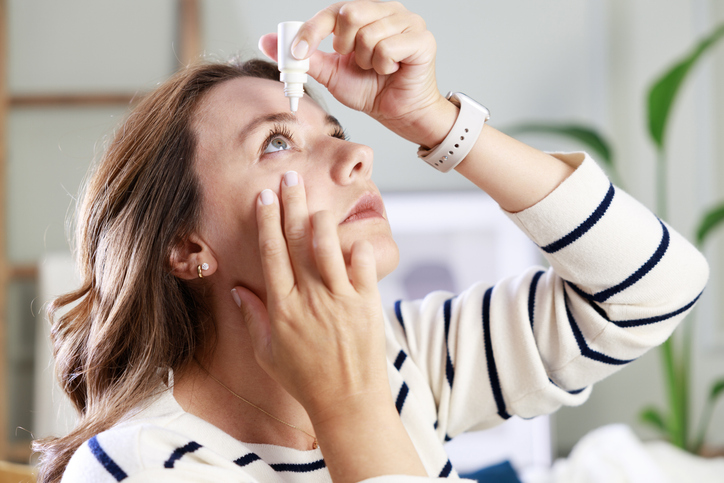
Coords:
70,69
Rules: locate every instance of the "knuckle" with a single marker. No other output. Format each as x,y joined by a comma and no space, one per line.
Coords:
384,50
271,247
350,14
295,232
268,216
418,22
284,312
365,38
293,195
326,247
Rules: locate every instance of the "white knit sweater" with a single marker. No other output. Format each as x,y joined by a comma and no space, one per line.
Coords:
620,281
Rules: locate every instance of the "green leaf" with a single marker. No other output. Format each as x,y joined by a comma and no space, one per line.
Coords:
653,417
716,390
663,92
583,134
711,219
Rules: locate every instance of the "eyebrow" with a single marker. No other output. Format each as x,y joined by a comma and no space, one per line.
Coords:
281,117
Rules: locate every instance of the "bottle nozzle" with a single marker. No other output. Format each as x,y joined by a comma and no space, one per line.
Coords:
293,104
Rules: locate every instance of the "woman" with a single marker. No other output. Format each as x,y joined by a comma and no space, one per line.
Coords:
229,327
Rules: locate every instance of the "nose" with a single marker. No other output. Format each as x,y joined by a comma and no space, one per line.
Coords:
351,160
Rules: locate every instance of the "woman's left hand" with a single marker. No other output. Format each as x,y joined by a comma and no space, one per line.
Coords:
383,64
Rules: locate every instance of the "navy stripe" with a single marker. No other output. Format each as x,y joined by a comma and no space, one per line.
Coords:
247,459
637,275
574,392
641,272
435,425
655,319
531,296
446,470
583,346
178,453
401,356
447,438
401,396
398,313
583,227
103,458
492,370
299,467
634,322
449,369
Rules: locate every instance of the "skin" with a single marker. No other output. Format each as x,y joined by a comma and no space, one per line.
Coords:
304,280
234,164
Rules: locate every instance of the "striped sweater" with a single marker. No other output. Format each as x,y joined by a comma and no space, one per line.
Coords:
619,282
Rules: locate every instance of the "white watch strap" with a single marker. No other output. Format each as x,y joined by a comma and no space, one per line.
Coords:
461,138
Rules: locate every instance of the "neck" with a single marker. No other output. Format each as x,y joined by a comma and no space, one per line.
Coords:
231,361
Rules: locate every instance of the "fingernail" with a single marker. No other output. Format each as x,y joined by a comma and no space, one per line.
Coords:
291,178
267,197
300,50
236,297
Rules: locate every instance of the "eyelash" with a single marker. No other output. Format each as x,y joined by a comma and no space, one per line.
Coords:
277,130
340,133
283,131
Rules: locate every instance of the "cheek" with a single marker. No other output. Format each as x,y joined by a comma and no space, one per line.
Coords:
232,237
387,254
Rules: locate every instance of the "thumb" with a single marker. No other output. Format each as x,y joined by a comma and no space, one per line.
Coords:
268,45
256,320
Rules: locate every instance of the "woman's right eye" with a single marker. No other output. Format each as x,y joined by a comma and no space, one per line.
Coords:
276,143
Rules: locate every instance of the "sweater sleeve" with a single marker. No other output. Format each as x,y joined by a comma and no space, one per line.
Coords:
619,282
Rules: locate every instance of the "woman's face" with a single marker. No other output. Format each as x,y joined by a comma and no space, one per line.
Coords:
247,140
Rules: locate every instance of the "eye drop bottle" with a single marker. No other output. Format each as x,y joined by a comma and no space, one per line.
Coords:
293,71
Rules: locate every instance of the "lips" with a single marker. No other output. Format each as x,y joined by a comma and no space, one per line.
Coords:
369,205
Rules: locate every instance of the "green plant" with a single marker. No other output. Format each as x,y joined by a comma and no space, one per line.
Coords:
673,422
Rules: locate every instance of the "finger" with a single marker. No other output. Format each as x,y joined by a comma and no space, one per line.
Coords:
354,16
275,262
328,252
314,30
297,227
343,19
363,267
268,45
256,320
410,48
368,36
371,34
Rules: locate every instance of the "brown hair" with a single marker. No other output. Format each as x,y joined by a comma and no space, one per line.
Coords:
132,319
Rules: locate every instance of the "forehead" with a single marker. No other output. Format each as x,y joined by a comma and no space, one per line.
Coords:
249,98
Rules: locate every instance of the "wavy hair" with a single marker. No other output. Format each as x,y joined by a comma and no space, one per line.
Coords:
132,319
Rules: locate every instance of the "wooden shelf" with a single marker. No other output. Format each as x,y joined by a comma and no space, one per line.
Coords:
66,100
23,272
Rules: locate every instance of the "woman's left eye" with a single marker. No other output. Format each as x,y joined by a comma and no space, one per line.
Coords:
277,143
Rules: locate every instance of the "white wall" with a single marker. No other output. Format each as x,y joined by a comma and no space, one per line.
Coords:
571,60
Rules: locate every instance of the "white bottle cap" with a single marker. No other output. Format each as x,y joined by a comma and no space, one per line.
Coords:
293,71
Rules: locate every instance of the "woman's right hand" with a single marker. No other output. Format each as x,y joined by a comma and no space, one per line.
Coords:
383,64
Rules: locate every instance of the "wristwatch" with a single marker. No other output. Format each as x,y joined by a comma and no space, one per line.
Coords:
461,138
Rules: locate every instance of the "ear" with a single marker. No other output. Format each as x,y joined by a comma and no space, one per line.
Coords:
189,255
